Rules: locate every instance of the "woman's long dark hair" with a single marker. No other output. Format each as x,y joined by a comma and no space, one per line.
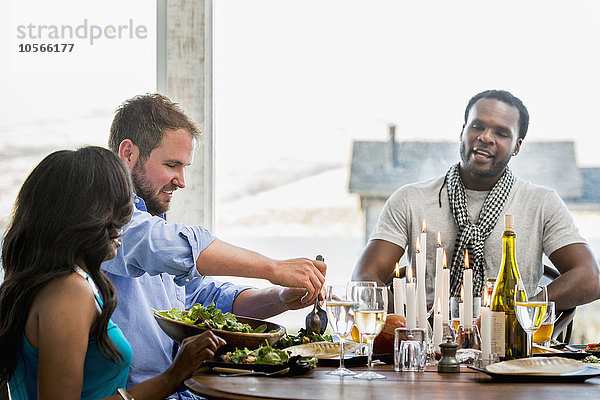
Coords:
72,205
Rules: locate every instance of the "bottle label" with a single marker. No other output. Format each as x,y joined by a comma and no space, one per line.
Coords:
497,320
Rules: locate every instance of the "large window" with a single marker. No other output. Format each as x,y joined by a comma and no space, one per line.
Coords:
62,100
297,81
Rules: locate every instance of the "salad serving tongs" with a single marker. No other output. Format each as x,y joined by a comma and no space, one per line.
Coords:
316,320
241,372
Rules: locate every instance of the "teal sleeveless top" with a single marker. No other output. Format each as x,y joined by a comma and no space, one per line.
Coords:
101,376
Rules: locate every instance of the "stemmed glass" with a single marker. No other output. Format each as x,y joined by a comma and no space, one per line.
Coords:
351,294
340,314
370,319
530,313
354,284
544,333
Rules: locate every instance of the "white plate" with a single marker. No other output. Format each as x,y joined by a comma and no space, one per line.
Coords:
536,366
323,350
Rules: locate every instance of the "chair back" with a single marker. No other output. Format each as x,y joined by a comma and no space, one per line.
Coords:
563,327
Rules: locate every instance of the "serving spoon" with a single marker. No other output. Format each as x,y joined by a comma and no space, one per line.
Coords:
316,320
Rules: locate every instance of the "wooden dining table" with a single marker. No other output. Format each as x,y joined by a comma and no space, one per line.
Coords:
317,384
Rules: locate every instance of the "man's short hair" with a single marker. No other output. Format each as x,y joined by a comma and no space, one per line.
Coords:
143,119
505,97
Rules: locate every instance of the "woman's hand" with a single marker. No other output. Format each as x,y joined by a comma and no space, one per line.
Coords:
193,351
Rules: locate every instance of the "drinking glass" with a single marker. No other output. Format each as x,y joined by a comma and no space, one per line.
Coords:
411,354
351,294
469,344
340,314
530,314
544,333
401,335
370,319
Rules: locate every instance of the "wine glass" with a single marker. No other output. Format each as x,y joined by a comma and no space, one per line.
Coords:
530,313
350,287
351,294
370,319
340,314
544,333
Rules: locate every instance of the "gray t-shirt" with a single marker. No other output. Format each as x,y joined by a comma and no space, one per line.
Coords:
542,222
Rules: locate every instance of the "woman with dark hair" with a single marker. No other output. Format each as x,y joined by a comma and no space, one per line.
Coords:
56,336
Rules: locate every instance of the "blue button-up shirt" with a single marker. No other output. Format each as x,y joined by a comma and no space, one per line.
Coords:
156,267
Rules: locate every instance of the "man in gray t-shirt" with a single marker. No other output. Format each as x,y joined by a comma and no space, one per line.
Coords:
467,206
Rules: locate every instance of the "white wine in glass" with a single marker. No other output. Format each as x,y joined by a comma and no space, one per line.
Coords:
370,318
340,314
370,323
530,314
351,293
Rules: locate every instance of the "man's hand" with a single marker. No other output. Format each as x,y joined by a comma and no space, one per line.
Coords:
300,274
292,298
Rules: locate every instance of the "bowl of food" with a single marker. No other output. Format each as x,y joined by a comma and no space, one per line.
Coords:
237,331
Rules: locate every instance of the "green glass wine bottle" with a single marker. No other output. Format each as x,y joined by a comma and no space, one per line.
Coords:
509,340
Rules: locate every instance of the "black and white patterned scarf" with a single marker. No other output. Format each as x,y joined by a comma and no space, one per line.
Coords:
472,236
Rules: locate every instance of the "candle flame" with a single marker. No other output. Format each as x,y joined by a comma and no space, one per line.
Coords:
486,298
445,263
418,246
462,292
397,271
409,274
466,258
439,239
439,308
424,226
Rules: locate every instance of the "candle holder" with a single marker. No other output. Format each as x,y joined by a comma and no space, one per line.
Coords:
455,301
469,344
448,330
414,336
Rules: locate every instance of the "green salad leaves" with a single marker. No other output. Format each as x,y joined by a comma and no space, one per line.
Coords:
302,338
212,318
263,355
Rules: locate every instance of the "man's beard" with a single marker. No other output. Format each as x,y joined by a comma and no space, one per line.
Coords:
495,169
144,189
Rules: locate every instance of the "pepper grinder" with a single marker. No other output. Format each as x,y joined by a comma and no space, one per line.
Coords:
448,362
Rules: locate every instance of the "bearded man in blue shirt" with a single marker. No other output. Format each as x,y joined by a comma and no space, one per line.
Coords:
164,265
